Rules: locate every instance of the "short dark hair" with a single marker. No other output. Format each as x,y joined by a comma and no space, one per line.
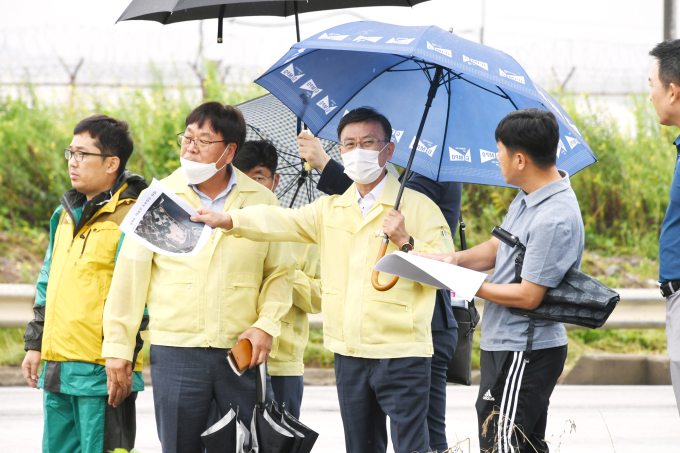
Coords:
533,131
110,135
667,54
256,153
363,115
224,119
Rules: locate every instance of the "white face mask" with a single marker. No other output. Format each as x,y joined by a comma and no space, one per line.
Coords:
196,172
362,165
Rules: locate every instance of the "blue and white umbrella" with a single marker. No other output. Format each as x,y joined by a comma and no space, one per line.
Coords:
393,69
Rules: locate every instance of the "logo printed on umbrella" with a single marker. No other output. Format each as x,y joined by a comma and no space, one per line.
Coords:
512,76
470,61
487,156
400,40
459,155
396,135
333,36
572,141
367,38
346,112
559,112
326,105
311,86
294,56
439,49
424,146
289,71
561,149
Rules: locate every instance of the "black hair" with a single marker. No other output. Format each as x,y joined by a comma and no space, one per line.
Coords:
363,115
533,131
110,135
667,54
224,119
256,153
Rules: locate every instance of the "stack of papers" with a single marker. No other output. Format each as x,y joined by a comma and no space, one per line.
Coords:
464,282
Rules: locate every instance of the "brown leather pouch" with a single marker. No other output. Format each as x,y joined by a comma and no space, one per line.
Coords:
240,356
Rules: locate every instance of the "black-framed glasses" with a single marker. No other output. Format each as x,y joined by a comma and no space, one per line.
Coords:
367,143
78,155
201,144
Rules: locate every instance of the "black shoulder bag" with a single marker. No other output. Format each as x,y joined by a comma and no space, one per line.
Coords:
579,298
459,370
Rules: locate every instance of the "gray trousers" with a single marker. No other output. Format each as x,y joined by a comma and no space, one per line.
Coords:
673,338
185,383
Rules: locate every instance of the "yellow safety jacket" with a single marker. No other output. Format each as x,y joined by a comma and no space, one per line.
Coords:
83,256
295,324
359,321
206,300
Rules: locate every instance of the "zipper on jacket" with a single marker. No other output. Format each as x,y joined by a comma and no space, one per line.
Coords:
85,242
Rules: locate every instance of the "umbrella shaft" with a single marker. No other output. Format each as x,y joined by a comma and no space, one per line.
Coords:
297,21
434,85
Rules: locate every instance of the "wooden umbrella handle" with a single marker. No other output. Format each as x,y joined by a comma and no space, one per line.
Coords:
374,277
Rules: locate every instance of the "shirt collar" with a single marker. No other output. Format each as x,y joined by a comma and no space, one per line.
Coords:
677,143
548,190
230,185
373,194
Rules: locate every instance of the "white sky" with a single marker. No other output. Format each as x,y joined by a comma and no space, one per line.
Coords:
606,40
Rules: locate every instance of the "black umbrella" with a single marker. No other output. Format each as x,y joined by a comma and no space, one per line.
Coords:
173,11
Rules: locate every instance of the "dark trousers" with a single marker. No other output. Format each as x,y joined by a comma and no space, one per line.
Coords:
520,393
371,389
185,383
288,393
444,342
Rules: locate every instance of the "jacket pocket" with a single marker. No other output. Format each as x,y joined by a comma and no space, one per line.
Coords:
333,309
387,319
239,308
176,307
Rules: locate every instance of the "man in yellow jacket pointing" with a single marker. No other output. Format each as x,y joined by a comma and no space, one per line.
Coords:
199,306
381,340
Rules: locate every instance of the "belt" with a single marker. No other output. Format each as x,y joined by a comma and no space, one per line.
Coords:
670,288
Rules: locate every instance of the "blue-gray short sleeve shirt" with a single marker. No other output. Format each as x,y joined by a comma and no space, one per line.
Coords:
548,222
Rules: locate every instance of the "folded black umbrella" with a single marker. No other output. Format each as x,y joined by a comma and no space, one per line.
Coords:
229,435
267,434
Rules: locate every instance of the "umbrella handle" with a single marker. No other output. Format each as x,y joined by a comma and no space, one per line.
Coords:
374,277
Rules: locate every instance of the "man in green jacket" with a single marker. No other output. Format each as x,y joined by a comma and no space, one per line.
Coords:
71,293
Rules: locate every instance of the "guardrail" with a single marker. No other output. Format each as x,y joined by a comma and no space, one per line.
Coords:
638,309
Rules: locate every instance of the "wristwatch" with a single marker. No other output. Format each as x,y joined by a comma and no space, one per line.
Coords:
408,246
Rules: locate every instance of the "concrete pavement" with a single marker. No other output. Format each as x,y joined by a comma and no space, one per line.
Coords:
638,418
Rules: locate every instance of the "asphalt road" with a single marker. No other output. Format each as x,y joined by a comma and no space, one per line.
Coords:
620,419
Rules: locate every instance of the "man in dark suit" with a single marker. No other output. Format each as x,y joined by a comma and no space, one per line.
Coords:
447,195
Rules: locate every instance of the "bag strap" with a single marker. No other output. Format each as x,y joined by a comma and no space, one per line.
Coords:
463,246
530,340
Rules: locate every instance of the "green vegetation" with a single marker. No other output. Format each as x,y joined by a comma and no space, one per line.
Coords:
11,346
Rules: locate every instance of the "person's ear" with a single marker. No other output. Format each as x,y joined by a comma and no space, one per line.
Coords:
520,160
390,151
230,154
276,182
674,93
113,164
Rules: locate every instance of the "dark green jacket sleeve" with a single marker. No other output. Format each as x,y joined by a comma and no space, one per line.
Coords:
34,330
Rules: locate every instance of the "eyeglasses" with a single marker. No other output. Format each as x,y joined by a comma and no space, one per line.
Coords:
261,179
78,155
368,143
201,144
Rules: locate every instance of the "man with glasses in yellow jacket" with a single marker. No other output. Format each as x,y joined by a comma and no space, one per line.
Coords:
201,306
258,160
382,340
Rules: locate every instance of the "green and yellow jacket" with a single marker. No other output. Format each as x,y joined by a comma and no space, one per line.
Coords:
73,286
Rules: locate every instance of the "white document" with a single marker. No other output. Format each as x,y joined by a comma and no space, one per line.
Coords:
160,222
464,282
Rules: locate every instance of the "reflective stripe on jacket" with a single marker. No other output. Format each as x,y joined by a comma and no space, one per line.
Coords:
206,300
359,321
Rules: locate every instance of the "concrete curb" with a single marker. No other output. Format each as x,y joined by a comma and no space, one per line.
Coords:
619,369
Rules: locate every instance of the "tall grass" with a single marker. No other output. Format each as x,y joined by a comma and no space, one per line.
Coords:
623,197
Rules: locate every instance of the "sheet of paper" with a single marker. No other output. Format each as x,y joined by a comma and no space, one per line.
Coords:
463,281
160,222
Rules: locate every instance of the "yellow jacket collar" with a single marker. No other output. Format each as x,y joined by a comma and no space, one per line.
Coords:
177,182
387,196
